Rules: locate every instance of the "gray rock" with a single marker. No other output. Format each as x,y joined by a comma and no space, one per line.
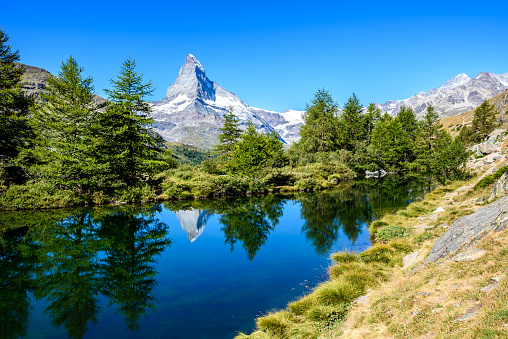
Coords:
470,255
487,147
466,231
466,316
482,200
411,259
500,188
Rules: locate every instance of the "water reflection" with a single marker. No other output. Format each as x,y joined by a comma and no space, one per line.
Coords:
70,260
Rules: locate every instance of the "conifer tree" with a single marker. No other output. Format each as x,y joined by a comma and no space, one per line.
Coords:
230,133
351,124
14,106
63,121
407,119
484,120
372,116
126,145
430,137
319,130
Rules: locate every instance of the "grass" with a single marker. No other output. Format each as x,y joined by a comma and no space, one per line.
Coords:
403,305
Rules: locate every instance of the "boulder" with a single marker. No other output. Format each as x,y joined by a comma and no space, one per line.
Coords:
487,147
496,134
466,231
500,188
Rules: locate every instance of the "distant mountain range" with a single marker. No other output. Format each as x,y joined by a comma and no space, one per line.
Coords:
192,110
456,96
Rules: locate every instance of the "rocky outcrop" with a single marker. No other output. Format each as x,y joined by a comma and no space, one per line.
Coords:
468,230
500,188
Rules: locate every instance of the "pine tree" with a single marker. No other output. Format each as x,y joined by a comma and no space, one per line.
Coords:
319,130
230,133
371,117
430,137
484,120
126,145
64,122
407,119
388,142
14,106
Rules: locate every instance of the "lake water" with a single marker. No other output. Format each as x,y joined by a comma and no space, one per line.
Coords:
194,269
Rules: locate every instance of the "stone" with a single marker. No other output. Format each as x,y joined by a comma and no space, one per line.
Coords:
438,210
470,255
433,216
425,293
465,231
500,188
437,310
497,278
411,259
363,299
496,134
482,200
488,288
466,316
487,147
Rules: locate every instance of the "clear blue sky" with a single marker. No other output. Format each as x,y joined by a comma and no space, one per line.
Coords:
272,54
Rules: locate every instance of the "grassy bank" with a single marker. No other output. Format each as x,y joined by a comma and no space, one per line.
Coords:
372,294
183,182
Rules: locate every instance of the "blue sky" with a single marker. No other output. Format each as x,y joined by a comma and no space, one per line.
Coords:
272,54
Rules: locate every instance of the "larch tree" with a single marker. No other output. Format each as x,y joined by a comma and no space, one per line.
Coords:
126,145
230,133
14,106
484,120
63,121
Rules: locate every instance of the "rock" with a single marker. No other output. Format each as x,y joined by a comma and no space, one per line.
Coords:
496,134
466,316
375,174
362,299
411,259
487,147
438,210
478,152
500,188
433,216
497,278
488,288
470,255
469,229
482,200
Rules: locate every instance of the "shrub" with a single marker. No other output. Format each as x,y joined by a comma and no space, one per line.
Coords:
388,233
490,179
375,225
36,195
326,313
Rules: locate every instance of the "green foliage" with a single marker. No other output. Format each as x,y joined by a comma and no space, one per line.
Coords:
484,120
230,133
375,225
389,142
351,125
492,178
15,131
187,154
336,292
126,146
301,306
275,324
65,152
35,196
255,151
391,232
319,131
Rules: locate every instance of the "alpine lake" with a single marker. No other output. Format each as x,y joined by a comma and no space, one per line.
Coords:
186,269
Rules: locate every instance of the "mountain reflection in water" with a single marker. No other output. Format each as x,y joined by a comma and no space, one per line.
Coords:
76,265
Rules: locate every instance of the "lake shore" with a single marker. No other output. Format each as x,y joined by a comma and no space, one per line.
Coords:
385,292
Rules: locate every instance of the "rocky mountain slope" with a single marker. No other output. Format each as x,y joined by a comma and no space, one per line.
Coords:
458,95
193,109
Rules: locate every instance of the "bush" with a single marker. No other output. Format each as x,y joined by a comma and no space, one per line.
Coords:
36,195
336,292
388,233
375,225
326,313
490,179
136,194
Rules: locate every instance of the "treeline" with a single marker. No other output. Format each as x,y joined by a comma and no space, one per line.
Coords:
68,148
366,140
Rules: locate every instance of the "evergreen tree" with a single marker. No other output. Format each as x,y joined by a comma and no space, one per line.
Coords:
319,130
256,150
126,145
64,121
230,133
351,124
484,120
371,117
14,107
388,142
407,119
430,137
